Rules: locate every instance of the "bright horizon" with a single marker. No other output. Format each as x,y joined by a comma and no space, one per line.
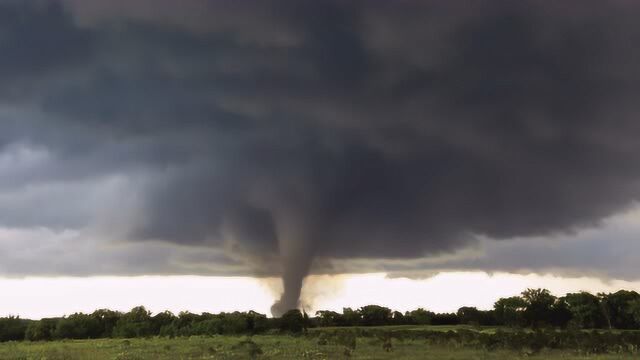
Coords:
41,297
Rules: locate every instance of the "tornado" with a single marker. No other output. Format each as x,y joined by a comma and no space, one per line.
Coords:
297,228
292,279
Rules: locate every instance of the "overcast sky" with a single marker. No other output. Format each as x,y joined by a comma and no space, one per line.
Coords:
287,138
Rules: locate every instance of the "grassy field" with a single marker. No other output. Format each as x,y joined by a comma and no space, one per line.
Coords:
264,347
443,328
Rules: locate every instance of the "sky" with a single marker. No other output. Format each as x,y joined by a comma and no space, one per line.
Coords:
261,142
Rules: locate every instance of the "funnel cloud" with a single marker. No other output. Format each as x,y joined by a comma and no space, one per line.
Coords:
287,134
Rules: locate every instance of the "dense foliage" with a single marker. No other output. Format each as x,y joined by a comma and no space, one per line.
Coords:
535,308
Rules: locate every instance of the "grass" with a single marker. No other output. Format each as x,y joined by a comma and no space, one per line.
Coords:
263,347
443,328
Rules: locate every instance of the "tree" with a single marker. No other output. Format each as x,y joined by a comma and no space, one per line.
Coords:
634,311
234,323
107,320
445,319
509,310
473,316
292,321
538,307
257,323
78,326
586,312
488,318
135,323
397,318
329,318
616,308
560,314
160,320
12,328
351,317
419,316
469,315
374,315
42,330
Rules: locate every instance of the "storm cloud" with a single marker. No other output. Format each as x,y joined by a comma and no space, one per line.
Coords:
280,132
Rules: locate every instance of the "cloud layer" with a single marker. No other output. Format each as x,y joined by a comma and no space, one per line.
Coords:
281,132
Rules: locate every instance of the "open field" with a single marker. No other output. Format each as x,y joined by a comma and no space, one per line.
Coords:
311,346
392,328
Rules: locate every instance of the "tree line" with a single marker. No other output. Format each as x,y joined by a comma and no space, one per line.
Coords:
534,308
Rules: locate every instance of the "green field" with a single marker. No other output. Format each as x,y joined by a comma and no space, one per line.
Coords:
392,328
272,347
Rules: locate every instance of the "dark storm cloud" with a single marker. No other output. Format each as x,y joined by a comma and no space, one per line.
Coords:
38,41
322,129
